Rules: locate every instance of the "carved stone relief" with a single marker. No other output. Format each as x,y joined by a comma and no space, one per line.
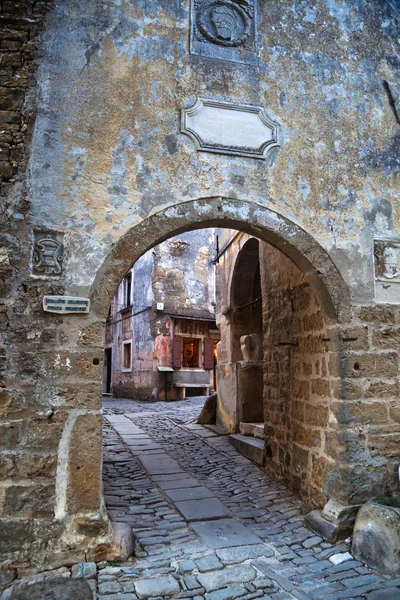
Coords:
387,270
224,29
250,346
48,254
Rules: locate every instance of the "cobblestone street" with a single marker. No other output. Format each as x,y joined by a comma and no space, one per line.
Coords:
208,522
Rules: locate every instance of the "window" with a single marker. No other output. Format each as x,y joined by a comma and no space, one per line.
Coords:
127,357
191,353
128,289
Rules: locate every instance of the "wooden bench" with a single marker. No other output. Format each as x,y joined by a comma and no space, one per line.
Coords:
182,388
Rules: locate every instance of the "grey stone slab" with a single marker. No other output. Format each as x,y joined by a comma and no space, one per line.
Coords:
177,483
391,593
235,555
225,533
234,591
190,493
55,589
160,464
207,508
157,586
219,579
209,563
84,570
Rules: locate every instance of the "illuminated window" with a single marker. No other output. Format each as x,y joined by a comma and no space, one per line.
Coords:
127,357
191,353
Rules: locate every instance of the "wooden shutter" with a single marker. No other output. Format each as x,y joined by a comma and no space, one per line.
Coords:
177,351
208,353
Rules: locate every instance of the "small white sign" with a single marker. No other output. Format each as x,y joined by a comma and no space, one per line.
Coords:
66,304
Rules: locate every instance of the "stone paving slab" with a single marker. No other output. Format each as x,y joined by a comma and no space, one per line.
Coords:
189,493
206,508
160,465
220,579
225,533
172,484
242,553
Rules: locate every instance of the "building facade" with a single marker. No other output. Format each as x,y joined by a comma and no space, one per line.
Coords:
163,317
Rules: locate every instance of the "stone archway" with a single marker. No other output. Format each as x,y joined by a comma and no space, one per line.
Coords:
313,262
257,220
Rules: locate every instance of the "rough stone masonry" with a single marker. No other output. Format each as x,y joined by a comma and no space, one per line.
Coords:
109,145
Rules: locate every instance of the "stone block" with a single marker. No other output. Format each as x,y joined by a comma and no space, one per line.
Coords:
395,412
251,448
84,570
377,314
242,553
383,389
207,508
376,537
306,436
85,451
10,434
220,579
360,412
320,466
321,388
225,533
316,415
354,484
15,535
301,389
44,435
208,563
36,500
388,338
191,493
11,99
250,391
157,586
208,413
325,529
55,589
35,465
85,396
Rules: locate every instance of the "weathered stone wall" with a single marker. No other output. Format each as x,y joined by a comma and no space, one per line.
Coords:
297,381
111,176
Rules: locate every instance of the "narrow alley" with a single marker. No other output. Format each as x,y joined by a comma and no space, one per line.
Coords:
208,522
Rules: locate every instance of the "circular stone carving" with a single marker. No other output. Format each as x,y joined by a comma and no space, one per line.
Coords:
223,22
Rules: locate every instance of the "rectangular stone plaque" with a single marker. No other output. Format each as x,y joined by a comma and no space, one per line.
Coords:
225,128
66,304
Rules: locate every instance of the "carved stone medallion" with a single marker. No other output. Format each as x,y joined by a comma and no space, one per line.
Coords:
387,270
224,22
48,251
224,29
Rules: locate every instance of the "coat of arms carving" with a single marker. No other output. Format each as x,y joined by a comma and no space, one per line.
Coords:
224,29
47,255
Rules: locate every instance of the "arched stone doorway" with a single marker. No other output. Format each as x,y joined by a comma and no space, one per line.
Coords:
314,265
78,505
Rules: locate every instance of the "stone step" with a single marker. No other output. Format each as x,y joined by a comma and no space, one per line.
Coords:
249,447
254,429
